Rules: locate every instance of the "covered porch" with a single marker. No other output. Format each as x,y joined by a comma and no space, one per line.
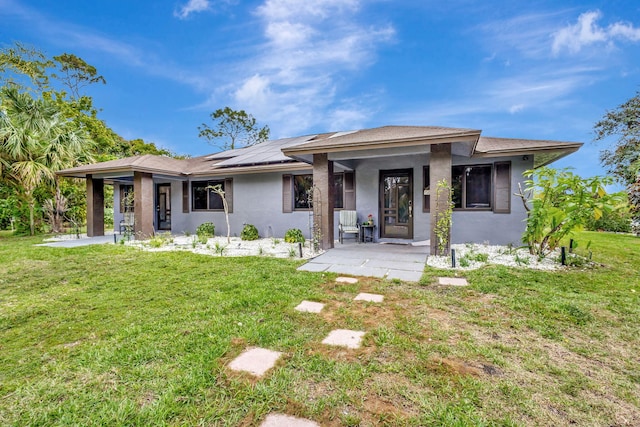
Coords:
395,170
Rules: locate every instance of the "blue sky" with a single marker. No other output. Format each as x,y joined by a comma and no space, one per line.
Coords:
522,69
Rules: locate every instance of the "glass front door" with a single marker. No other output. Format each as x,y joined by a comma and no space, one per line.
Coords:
163,206
396,201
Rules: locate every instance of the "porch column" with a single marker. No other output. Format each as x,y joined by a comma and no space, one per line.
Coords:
143,206
323,199
439,169
95,206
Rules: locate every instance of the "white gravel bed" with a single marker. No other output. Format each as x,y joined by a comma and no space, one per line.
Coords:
512,257
218,246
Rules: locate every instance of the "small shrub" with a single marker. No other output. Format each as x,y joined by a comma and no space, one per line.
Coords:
464,262
292,252
203,239
220,248
294,235
521,260
249,232
480,257
206,229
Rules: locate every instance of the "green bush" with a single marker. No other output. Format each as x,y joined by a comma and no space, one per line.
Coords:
617,221
206,229
249,232
294,235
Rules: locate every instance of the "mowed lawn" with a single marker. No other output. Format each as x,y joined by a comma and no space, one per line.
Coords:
110,335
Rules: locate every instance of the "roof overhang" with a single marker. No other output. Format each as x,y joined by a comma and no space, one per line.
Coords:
463,144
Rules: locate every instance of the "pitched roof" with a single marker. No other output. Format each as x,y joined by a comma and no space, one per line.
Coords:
145,163
396,136
545,151
285,153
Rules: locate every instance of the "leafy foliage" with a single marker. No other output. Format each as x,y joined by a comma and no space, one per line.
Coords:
623,160
617,220
234,129
559,202
49,94
249,232
207,229
294,235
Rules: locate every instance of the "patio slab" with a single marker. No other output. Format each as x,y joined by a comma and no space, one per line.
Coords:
363,296
344,338
453,281
279,420
405,276
310,307
349,280
391,261
256,361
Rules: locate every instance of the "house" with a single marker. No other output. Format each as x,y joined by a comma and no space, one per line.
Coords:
389,172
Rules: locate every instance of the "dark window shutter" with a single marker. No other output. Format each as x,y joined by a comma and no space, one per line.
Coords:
350,190
228,193
426,181
185,196
502,187
287,197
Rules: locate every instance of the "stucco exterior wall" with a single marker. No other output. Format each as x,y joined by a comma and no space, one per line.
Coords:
257,200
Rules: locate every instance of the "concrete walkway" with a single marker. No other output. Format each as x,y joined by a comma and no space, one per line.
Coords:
390,261
74,243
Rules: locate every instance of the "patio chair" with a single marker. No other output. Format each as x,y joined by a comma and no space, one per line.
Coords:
126,224
348,224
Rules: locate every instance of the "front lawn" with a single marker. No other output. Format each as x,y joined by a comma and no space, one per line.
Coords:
111,335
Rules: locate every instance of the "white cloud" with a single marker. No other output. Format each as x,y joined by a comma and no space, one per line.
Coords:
587,32
192,6
309,46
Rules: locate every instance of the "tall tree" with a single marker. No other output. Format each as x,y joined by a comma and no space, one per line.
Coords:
233,129
623,159
35,142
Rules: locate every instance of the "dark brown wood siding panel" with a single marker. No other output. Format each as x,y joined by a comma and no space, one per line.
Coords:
502,187
350,190
287,197
228,193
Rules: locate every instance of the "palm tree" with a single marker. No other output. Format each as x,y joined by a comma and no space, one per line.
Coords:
35,141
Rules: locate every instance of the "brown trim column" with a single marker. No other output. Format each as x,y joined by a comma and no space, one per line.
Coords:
323,199
439,169
143,206
95,206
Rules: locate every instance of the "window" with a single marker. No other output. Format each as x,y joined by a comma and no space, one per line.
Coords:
471,187
297,191
204,198
302,191
126,198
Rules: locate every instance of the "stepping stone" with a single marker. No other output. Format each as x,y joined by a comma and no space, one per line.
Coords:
349,280
279,420
310,307
344,338
453,281
256,361
369,297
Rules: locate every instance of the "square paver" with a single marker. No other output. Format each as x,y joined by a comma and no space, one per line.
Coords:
256,361
350,280
453,281
310,307
279,420
344,338
369,297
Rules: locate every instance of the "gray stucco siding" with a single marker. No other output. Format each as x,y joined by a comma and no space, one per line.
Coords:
257,200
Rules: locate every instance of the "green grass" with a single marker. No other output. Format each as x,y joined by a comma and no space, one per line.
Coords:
110,335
